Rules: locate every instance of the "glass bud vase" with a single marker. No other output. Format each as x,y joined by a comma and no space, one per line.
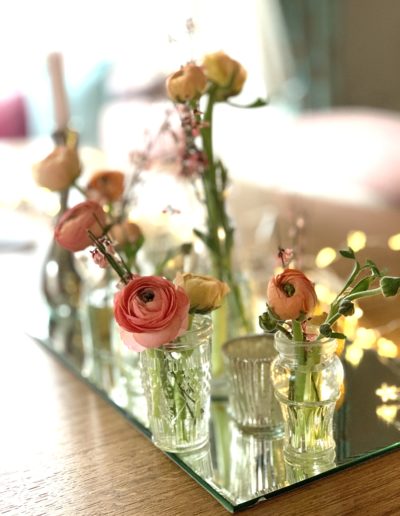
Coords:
176,381
307,377
97,328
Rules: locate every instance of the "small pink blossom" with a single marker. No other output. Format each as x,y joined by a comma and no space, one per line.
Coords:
285,256
108,245
99,258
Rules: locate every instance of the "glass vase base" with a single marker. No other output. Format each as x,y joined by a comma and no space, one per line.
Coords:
268,431
181,447
309,459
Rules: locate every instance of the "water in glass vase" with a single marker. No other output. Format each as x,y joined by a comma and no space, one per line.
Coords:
307,378
176,381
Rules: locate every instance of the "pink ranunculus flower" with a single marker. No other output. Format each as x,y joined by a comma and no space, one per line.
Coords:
291,295
72,229
150,312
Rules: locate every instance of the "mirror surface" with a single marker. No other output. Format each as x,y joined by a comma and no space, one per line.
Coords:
239,469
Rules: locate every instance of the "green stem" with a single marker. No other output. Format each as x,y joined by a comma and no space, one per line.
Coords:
367,293
220,232
299,380
297,331
80,189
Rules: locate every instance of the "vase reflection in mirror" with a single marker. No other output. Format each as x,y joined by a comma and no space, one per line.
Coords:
258,466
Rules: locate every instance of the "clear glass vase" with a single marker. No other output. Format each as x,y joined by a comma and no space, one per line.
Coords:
252,403
307,377
98,327
229,323
176,381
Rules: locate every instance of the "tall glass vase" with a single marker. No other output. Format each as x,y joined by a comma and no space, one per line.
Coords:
176,381
60,280
307,378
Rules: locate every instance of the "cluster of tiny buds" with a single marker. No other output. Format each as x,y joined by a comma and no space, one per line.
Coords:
98,256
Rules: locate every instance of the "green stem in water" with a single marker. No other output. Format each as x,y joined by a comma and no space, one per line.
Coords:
299,380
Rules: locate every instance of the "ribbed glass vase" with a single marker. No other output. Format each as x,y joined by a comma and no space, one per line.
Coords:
252,403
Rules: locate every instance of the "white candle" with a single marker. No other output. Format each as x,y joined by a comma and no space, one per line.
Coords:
60,101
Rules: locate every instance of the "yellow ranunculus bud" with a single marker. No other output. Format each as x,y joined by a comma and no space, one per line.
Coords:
58,170
186,84
228,74
204,292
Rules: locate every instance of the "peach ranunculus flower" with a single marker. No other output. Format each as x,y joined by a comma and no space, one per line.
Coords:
71,231
126,232
228,74
188,83
150,311
206,293
106,186
291,295
58,170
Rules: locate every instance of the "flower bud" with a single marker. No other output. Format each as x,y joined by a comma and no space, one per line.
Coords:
389,285
346,307
266,322
126,233
186,84
58,170
205,292
325,330
106,186
72,230
228,74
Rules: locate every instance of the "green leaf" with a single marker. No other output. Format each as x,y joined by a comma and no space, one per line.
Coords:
362,285
374,269
256,104
390,285
205,238
348,253
336,335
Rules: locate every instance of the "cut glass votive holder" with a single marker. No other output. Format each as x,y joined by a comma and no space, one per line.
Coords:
252,403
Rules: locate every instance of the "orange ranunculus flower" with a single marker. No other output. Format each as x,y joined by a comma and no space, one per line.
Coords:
188,83
291,295
228,74
58,170
72,229
126,232
106,185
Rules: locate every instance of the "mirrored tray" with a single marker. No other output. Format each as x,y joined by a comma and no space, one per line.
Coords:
240,469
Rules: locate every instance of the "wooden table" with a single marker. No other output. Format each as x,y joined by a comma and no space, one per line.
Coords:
65,451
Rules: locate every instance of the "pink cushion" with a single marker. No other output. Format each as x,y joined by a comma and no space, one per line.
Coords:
13,117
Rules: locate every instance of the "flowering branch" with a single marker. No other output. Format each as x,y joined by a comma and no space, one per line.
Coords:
291,298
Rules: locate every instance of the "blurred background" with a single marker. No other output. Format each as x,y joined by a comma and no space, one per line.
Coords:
324,152
329,69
